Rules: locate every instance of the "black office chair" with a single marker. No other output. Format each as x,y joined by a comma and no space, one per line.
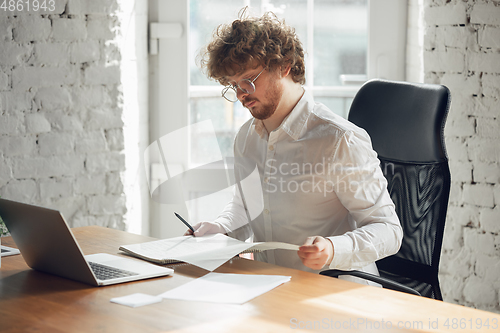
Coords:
405,122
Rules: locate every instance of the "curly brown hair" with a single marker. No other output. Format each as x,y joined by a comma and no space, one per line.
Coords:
250,42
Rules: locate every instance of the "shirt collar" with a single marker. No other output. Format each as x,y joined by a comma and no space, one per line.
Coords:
294,123
260,129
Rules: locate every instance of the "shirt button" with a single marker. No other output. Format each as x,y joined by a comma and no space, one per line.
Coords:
266,211
271,147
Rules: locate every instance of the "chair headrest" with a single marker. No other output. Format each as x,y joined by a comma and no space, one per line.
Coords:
404,120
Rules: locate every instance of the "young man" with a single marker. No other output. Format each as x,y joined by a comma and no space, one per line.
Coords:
321,181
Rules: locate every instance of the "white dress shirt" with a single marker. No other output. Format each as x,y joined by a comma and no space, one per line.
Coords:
319,176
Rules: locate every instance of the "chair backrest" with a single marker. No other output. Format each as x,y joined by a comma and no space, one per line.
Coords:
405,122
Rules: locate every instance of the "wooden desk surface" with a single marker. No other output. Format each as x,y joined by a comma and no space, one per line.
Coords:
34,301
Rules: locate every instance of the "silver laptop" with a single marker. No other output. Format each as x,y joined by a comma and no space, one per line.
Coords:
47,244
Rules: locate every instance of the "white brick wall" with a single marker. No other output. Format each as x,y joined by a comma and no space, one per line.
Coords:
62,141
462,51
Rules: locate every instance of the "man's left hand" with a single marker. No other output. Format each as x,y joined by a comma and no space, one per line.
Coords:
316,252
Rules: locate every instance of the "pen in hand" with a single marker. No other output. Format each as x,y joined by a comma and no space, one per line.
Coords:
185,222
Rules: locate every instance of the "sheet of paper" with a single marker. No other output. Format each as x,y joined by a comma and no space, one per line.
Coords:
208,252
136,300
274,245
226,288
8,251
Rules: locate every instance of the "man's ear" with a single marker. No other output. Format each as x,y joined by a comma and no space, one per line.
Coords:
285,70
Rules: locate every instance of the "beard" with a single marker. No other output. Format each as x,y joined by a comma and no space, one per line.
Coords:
272,97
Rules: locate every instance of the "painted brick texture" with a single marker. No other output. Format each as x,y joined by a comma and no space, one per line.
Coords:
61,128
462,51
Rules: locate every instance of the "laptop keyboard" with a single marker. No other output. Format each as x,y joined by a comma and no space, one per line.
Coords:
103,272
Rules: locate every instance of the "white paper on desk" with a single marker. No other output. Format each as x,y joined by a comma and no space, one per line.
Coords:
226,288
208,252
213,251
136,300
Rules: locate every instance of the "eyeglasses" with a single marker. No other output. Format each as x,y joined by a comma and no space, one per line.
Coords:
230,92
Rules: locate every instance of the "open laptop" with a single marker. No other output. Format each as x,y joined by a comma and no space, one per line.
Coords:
48,245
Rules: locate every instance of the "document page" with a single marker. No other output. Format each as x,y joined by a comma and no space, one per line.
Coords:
208,252
226,288
273,245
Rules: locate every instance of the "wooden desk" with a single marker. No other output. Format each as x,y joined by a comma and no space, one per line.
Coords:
34,301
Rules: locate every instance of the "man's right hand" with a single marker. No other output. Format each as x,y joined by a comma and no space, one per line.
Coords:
202,228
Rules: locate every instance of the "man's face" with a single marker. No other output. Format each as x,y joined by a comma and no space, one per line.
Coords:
268,92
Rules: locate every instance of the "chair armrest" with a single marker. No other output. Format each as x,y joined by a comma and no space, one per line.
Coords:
386,283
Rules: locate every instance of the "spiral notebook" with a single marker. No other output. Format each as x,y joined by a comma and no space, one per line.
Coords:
208,252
